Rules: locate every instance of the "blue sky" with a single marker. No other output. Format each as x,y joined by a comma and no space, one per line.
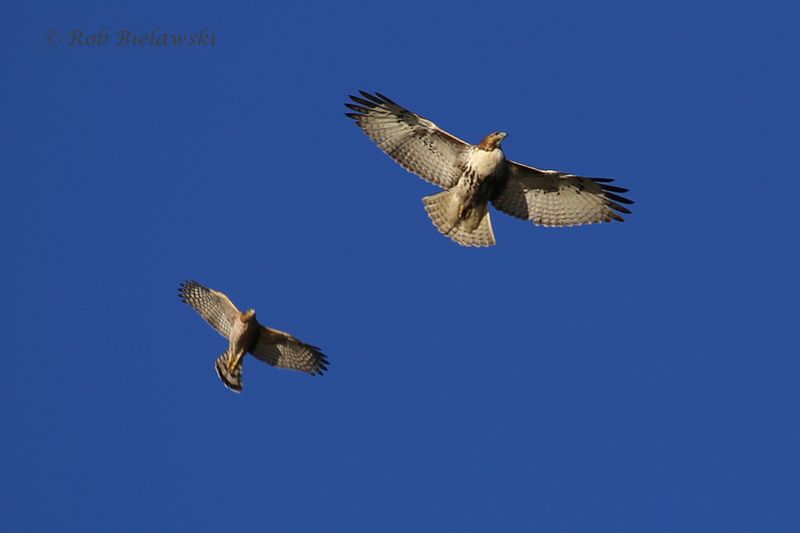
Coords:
622,377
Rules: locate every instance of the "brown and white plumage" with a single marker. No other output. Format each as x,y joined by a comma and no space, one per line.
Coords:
246,335
474,175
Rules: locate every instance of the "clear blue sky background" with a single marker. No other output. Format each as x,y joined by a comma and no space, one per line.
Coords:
622,377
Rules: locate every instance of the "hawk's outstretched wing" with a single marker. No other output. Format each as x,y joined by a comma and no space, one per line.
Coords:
284,351
551,198
213,306
415,142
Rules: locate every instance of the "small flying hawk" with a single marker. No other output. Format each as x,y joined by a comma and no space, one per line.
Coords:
246,335
474,175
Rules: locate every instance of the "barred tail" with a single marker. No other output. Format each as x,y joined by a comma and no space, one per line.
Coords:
231,379
474,230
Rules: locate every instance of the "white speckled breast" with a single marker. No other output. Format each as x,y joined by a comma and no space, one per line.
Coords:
485,163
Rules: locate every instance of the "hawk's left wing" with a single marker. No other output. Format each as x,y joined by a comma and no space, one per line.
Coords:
419,145
552,198
216,308
284,351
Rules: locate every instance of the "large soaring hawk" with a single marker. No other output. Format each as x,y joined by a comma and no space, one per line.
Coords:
473,175
246,335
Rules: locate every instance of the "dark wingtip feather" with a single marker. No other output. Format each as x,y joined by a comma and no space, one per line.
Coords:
358,108
371,97
617,198
184,287
609,190
369,104
320,361
619,208
387,100
613,188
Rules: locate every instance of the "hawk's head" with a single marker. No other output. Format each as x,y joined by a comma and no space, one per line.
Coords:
492,141
248,315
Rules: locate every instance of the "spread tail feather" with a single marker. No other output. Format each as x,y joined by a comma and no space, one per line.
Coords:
473,230
231,379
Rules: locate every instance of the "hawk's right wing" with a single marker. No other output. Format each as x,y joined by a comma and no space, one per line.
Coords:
284,351
415,142
552,198
213,306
